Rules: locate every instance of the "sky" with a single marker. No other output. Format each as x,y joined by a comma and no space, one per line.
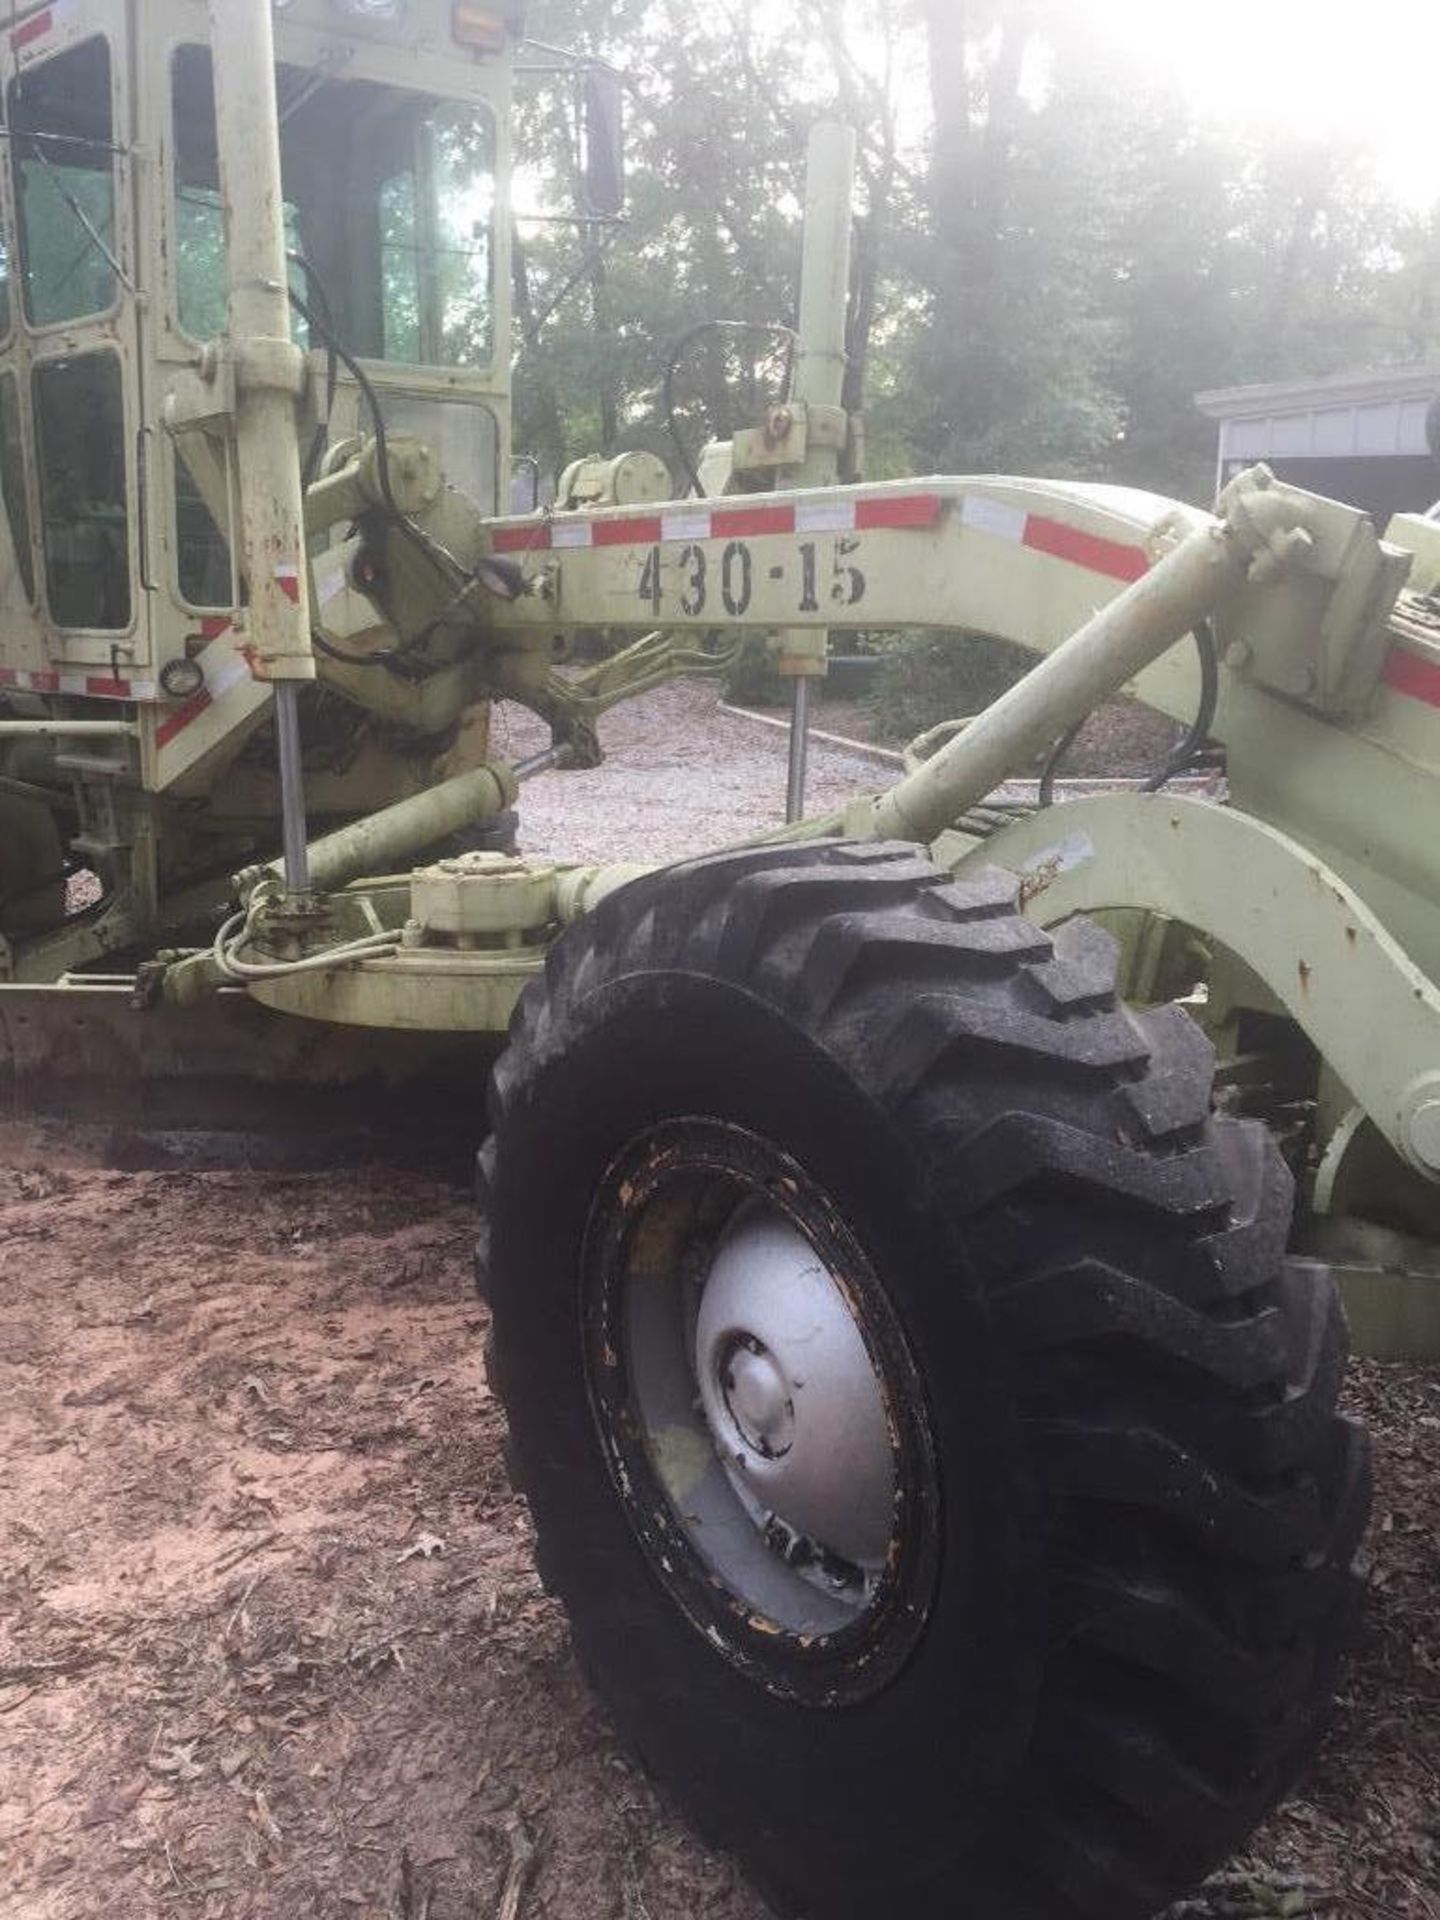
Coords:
1366,76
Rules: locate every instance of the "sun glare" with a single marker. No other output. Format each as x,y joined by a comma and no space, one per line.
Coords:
1363,79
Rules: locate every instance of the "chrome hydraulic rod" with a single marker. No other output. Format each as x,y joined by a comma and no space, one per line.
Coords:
799,747
1190,584
383,842
543,762
292,788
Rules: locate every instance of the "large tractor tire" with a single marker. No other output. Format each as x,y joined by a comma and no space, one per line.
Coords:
922,1427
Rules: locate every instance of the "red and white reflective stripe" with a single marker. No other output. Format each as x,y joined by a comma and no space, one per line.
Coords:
230,670
1115,558
29,31
40,25
1407,673
177,721
755,520
86,686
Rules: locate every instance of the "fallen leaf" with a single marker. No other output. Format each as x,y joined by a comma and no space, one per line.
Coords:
425,1546
264,1818
179,1763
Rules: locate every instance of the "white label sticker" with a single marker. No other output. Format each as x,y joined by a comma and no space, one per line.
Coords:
825,516
684,526
993,516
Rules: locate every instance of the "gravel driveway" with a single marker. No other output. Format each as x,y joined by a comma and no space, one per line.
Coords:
680,776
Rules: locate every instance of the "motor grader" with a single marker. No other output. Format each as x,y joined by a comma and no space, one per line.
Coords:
913,1239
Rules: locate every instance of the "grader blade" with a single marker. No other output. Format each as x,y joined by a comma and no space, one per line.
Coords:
229,1080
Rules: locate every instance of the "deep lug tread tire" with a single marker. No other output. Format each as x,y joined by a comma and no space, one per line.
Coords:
1172,1503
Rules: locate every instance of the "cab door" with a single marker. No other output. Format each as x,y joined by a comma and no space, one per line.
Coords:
68,111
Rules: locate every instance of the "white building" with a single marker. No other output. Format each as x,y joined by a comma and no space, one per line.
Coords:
1358,437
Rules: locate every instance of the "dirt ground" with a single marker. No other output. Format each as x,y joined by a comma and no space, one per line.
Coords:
271,1641
272,1644
270,1626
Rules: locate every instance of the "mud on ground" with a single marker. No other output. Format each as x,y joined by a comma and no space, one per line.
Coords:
271,1641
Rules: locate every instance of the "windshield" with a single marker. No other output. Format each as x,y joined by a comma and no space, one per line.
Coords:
389,198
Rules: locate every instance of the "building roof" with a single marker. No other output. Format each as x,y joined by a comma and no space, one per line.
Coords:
1343,416
1332,390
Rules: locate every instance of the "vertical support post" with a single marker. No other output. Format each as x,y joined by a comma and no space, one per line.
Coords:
819,386
825,288
269,379
799,748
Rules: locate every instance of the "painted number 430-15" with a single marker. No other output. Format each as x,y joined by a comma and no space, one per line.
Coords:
723,584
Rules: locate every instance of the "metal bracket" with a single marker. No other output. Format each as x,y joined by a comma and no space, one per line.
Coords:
1372,1014
1326,647
202,399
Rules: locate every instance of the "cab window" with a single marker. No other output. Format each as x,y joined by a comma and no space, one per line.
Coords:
5,313
12,481
389,199
80,428
62,161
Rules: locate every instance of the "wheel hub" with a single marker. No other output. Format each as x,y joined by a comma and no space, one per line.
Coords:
757,1398
761,1414
791,1396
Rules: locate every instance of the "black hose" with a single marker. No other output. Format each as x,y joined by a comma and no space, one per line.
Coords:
320,439
1203,724
677,355
385,657
1183,754
444,562
319,318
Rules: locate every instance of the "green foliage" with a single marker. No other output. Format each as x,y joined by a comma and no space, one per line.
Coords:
753,680
1047,272
720,109
926,677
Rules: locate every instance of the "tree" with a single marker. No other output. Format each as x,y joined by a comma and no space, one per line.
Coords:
721,107
1053,255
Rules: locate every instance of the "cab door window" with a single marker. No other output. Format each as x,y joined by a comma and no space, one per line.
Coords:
389,197
62,159
5,313
12,481
80,427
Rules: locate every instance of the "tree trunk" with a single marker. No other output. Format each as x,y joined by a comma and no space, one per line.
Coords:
945,32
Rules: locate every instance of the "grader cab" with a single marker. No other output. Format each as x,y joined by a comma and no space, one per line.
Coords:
126,517
915,1304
